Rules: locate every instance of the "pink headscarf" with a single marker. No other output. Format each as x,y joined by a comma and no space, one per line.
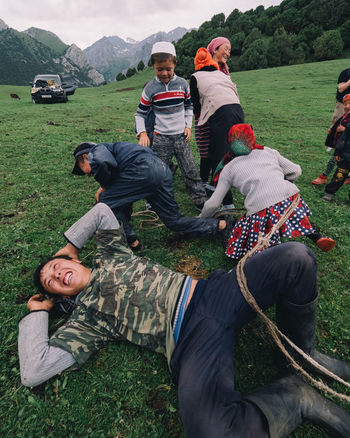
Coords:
213,45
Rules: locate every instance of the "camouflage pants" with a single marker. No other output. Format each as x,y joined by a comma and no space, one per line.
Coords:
166,146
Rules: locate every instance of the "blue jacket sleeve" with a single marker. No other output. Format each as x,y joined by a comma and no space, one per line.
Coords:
103,164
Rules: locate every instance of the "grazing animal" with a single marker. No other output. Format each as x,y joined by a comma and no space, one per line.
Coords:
15,96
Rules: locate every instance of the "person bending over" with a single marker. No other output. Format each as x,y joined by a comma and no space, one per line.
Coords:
128,172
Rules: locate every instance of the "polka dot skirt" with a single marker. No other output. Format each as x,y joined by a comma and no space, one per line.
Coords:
245,234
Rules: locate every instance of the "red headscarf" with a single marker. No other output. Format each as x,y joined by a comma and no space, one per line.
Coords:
245,134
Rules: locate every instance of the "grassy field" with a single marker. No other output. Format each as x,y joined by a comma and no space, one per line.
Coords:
124,391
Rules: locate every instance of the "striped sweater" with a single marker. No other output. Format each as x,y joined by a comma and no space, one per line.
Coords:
171,104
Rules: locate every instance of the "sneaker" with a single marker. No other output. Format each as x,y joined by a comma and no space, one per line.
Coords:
148,206
227,207
327,197
325,244
321,179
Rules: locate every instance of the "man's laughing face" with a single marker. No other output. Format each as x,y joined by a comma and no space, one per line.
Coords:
64,277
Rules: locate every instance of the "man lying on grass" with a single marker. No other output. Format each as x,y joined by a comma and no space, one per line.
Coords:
193,323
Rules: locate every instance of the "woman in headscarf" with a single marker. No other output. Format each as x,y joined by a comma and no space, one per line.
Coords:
216,105
265,178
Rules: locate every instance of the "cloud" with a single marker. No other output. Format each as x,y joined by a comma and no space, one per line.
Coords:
85,21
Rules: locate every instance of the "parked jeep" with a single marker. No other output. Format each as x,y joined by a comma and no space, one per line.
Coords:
48,88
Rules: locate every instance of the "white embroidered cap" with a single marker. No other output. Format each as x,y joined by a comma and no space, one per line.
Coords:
163,47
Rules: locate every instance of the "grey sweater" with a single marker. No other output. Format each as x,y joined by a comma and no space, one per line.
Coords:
263,177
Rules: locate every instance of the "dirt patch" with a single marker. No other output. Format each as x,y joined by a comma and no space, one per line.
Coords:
125,89
187,264
156,400
192,266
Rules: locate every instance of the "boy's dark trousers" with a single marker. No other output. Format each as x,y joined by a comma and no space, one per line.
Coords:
340,175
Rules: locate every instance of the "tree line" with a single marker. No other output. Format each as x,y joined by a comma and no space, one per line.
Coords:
294,32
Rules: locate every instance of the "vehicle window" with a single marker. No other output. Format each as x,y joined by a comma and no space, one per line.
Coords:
46,78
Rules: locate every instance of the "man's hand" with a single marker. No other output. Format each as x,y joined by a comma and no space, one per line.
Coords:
144,139
187,134
39,302
98,193
68,250
337,158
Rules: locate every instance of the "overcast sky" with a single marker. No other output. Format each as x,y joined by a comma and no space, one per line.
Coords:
83,22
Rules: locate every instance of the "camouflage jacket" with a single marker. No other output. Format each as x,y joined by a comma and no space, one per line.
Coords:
127,298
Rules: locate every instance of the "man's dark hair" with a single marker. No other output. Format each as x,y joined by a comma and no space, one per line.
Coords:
161,57
62,305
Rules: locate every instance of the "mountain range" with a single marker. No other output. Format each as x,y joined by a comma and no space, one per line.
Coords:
33,51
111,55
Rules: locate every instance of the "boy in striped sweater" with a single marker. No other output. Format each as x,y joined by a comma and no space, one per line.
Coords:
169,97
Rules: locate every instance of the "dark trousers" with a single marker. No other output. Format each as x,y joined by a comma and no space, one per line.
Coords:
340,175
150,178
203,360
220,124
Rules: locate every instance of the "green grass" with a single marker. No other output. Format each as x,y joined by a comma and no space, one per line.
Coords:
124,391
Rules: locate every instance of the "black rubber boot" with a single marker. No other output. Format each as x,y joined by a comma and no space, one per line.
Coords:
288,401
298,323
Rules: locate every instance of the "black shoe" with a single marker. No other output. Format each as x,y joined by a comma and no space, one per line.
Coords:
226,232
136,248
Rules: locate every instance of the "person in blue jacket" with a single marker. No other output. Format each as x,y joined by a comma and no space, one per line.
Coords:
128,172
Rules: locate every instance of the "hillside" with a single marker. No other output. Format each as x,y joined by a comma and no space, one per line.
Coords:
50,40
23,56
